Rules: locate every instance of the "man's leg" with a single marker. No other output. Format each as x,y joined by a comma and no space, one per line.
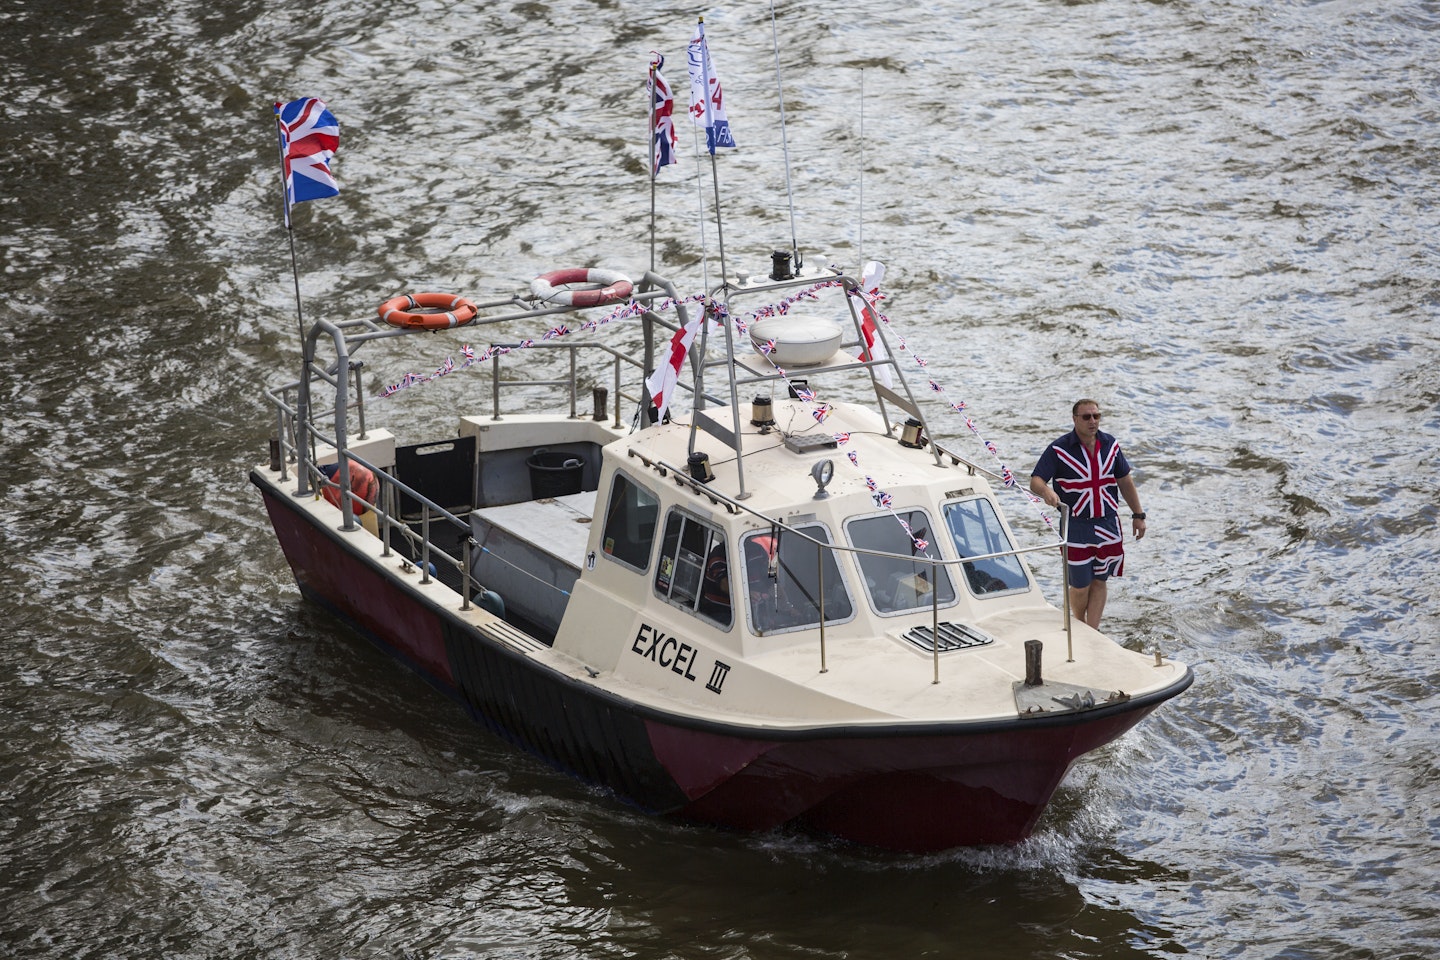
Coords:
1079,601
1095,603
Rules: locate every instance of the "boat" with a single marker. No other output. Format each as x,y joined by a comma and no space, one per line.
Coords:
785,607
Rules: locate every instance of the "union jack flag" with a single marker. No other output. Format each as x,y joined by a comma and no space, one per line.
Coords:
768,347
821,412
854,457
662,118
922,544
309,136
1092,482
842,438
468,352
555,332
884,499
805,393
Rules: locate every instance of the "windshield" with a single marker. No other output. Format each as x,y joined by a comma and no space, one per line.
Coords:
783,580
896,584
976,531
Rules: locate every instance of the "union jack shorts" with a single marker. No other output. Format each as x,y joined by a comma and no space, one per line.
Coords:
1096,550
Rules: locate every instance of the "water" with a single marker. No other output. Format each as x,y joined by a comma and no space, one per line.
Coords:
1216,218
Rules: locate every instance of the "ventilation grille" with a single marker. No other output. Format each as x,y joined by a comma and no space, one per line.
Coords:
953,636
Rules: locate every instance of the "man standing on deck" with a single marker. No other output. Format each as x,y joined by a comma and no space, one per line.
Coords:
1089,469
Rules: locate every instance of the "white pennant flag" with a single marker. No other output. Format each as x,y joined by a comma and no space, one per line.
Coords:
874,348
661,383
707,103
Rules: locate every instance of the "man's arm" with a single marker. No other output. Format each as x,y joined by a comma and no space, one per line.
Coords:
1132,499
1041,489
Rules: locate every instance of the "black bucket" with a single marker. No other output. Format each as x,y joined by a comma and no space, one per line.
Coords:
555,473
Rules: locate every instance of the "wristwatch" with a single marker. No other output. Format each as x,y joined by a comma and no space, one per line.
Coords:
1138,516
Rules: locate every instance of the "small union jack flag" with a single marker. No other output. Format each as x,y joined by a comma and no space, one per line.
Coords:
922,544
554,332
870,482
854,457
662,117
884,499
806,394
842,438
768,347
468,352
821,412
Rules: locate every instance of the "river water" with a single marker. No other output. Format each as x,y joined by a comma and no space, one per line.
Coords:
1216,218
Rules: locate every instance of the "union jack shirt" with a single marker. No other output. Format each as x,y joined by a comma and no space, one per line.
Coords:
1085,479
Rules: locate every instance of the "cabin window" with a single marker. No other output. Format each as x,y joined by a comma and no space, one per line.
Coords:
897,584
975,529
783,576
630,518
694,571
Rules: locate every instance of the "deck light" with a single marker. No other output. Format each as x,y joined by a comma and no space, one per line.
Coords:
913,434
699,467
762,413
822,472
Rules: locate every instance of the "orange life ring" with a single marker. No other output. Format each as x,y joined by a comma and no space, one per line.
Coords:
612,287
454,311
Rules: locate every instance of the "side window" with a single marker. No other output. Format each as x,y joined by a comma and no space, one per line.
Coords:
976,531
630,518
897,584
783,581
694,571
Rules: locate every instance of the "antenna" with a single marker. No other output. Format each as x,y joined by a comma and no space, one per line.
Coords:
784,143
860,239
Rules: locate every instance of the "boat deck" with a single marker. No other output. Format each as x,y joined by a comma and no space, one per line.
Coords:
531,553
557,526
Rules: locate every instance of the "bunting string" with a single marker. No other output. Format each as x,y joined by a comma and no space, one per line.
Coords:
819,410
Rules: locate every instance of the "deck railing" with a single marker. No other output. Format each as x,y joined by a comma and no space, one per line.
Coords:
298,431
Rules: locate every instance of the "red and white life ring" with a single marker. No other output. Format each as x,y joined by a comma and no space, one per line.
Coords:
608,287
453,311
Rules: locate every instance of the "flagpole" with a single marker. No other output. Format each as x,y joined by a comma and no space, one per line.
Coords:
710,137
860,230
289,225
650,140
784,142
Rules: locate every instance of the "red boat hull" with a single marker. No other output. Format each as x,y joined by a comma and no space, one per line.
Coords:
903,787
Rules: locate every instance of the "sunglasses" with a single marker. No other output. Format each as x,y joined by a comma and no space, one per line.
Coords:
1089,416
